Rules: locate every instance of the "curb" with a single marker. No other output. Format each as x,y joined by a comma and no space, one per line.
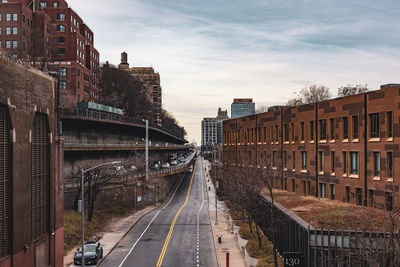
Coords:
212,227
130,228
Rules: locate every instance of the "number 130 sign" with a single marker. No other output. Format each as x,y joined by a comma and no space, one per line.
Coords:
293,259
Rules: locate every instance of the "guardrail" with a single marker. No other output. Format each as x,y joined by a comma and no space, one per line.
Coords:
73,183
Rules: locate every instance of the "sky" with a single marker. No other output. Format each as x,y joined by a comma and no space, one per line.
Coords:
211,51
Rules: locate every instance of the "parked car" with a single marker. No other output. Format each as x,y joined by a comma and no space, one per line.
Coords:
93,253
155,166
174,162
181,159
133,168
190,170
165,165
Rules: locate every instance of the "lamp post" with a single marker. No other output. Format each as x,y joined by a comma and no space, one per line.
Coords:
83,172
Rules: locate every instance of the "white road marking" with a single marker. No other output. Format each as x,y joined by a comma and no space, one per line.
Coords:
145,230
198,213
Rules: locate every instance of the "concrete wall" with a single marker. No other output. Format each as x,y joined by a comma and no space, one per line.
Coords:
25,91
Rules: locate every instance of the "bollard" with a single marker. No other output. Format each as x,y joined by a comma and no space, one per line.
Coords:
219,239
227,259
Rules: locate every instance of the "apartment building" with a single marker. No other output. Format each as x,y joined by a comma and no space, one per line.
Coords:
53,37
151,81
242,107
344,149
212,130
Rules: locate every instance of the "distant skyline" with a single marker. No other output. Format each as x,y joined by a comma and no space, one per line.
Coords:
209,52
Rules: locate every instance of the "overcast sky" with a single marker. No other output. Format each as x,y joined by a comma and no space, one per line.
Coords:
211,51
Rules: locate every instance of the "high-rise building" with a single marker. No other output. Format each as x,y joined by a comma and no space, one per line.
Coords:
151,81
212,130
242,107
53,37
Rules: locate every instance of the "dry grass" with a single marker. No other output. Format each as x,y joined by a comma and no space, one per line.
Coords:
325,213
72,225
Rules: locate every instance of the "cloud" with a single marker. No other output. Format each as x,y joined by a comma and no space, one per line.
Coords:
209,52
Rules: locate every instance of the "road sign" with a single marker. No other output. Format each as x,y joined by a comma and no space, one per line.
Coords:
293,259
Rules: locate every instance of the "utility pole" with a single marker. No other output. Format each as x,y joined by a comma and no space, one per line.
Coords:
147,150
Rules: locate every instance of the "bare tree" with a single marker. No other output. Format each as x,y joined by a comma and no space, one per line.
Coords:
261,109
352,90
309,95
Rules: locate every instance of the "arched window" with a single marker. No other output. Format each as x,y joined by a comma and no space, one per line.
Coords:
5,181
40,176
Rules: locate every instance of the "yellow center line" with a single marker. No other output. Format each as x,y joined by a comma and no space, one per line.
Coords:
171,228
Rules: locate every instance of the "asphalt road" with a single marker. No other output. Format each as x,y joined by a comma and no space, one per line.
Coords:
177,234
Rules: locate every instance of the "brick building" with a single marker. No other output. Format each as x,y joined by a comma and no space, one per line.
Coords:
151,81
31,187
53,37
343,149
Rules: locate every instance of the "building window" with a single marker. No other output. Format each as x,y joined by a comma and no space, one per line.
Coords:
62,85
286,130
345,163
389,201
345,126
5,182
348,194
61,16
293,185
332,161
292,132
359,196
309,187
60,28
332,191
353,162
8,30
355,127
43,5
265,134
0,44
0,30
389,164
303,160
302,130
304,187
293,160
377,164
15,17
389,124
374,122
15,44
55,4
60,40
8,44
62,72
311,130
60,51
277,133
285,159
322,188
321,161
371,196
322,130
40,176
274,158
15,30
332,126
259,134
8,17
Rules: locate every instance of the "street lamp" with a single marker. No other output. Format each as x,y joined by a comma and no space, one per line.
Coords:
82,206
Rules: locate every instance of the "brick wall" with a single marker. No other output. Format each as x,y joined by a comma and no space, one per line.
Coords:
341,145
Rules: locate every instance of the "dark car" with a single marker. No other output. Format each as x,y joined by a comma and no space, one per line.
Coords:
93,252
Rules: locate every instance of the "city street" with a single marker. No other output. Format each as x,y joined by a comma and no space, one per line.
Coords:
177,234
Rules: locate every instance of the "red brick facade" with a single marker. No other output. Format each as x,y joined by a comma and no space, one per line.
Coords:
343,149
55,38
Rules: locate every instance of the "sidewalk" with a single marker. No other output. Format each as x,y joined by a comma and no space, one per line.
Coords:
118,230
223,229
